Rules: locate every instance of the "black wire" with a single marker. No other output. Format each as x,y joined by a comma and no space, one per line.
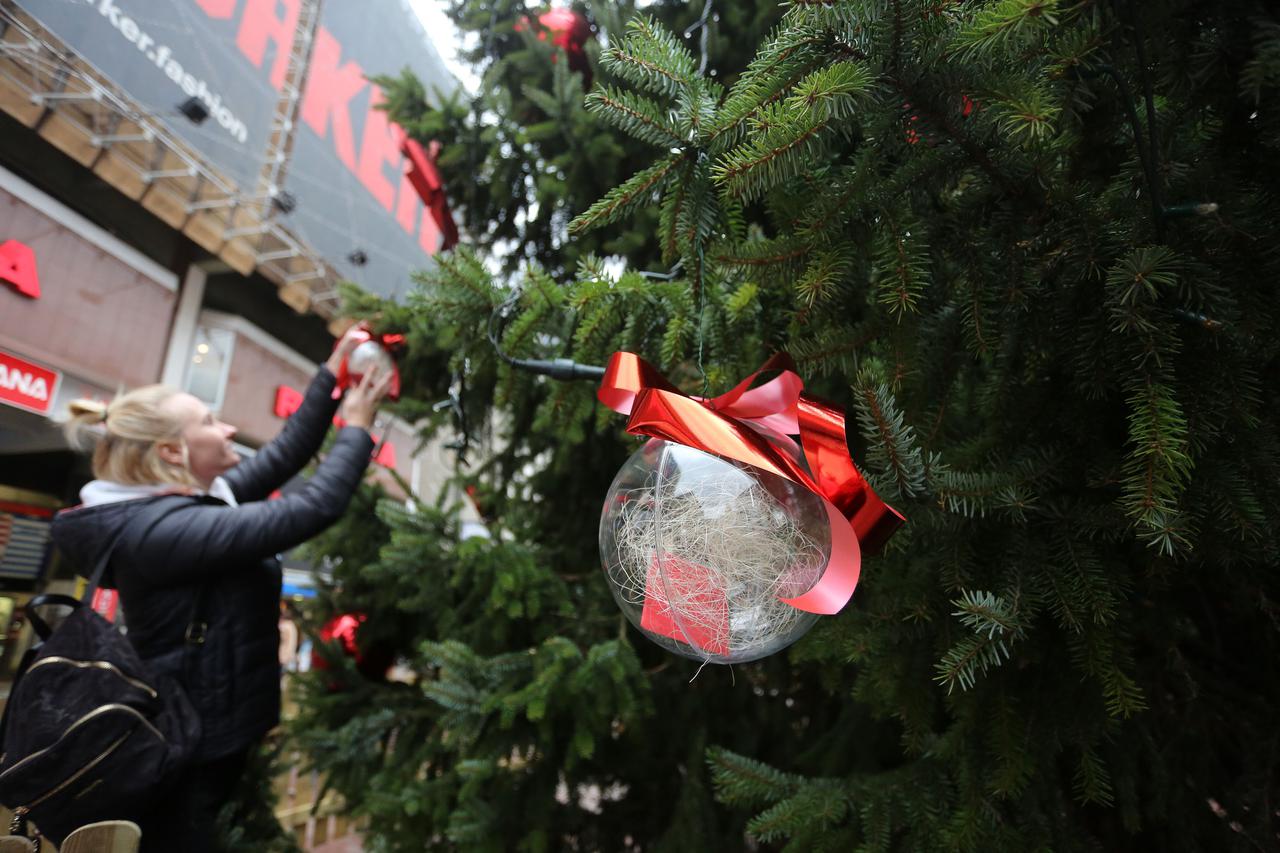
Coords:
564,369
701,24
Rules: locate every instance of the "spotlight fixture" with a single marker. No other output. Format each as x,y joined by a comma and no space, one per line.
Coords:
358,257
194,109
284,201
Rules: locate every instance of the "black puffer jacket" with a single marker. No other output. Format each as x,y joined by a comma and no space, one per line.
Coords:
174,545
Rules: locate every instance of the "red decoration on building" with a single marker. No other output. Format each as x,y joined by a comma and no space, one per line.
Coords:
18,267
425,178
289,399
386,456
569,30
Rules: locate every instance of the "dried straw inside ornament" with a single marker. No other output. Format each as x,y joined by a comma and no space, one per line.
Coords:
712,556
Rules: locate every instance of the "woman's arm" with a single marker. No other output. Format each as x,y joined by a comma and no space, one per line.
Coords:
303,433
184,543
290,451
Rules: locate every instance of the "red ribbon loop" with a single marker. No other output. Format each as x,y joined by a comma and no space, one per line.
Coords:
860,520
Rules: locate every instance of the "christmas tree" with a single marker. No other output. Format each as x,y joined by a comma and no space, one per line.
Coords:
1028,245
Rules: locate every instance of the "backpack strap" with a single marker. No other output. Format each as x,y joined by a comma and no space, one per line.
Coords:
33,606
100,568
196,624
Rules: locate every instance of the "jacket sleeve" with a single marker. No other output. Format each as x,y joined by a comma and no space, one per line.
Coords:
287,453
189,542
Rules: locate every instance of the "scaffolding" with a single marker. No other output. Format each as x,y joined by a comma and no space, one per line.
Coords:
50,89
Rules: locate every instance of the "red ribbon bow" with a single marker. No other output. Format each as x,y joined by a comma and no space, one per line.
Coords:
860,520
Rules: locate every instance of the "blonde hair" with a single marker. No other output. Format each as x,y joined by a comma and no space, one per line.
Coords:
125,437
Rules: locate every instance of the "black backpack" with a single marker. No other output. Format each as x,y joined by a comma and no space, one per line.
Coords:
89,732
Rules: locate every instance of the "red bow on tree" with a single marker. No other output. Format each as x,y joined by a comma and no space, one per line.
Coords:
860,520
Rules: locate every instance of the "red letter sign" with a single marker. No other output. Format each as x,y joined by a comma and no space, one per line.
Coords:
18,267
331,85
260,25
27,385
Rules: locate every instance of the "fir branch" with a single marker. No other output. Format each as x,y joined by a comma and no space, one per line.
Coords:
1092,781
642,118
833,92
649,56
760,253
838,15
1158,466
633,193
778,66
902,265
747,782
1027,117
822,280
995,28
826,351
974,494
671,214
1262,70
697,219
993,620
893,447
817,804
744,301
1100,653
786,148
931,115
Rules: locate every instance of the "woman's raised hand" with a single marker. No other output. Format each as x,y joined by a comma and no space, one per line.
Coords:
361,401
352,339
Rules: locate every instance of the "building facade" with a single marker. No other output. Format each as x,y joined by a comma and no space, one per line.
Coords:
132,251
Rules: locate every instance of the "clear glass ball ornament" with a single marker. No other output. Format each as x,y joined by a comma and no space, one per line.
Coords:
368,356
700,551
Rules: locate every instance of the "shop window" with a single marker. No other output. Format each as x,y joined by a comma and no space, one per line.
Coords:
209,365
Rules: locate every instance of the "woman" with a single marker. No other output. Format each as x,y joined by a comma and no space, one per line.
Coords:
194,556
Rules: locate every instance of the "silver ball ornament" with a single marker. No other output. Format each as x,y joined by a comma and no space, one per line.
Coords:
368,356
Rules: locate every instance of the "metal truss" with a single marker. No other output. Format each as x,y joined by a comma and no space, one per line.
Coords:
284,121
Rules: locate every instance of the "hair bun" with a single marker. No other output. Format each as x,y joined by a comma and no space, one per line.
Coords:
87,424
82,409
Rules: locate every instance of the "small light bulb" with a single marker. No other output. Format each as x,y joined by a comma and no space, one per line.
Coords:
203,348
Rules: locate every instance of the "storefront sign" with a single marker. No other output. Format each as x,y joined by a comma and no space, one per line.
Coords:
18,267
27,385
